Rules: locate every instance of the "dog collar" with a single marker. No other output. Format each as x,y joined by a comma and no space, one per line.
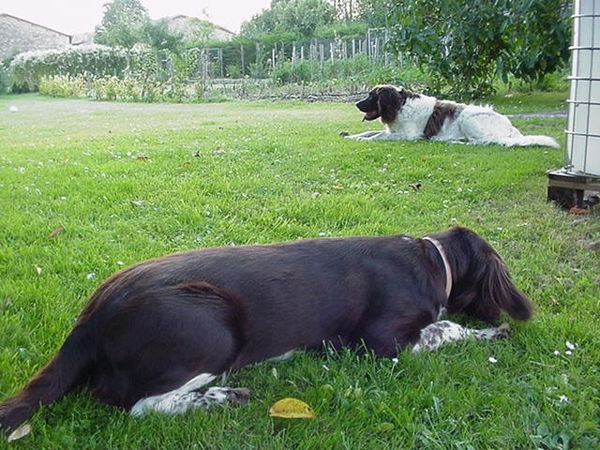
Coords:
440,248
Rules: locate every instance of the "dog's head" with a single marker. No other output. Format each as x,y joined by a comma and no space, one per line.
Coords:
384,101
482,285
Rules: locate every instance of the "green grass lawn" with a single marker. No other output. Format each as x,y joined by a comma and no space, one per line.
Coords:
127,182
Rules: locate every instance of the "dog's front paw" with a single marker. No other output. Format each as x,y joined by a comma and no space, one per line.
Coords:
503,331
488,334
238,396
357,138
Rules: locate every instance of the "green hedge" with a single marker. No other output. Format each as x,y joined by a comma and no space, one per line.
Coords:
27,69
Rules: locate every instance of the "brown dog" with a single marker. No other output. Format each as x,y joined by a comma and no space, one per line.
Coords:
154,334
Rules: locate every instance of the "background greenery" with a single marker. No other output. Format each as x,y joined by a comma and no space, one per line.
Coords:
458,49
126,182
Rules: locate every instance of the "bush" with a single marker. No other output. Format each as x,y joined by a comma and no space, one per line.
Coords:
27,69
297,72
233,71
4,80
63,86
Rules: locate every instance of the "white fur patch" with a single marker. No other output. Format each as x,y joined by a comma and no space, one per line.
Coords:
182,399
171,402
444,332
190,396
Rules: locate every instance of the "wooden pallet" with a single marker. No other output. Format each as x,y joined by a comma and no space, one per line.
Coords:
568,189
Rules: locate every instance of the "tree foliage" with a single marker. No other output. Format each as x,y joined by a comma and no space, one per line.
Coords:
160,36
541,35
301,17
466,44
122,24
373,12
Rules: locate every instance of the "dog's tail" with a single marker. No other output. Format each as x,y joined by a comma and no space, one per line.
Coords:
69,368
525,141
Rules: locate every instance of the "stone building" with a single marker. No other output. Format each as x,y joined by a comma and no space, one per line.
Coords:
195,29
18,35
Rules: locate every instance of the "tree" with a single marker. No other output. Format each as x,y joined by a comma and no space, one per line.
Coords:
541,35
302,17
161,38
346,10
121,24
374,12
200,31
466,44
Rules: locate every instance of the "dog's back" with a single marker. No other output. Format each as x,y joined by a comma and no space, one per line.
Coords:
155,326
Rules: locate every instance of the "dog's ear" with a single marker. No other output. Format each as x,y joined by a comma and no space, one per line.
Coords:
484,287
497,292
389,103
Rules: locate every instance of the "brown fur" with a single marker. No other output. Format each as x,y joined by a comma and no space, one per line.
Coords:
443,110
154,326
384,101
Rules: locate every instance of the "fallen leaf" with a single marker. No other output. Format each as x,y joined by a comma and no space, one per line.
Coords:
578,211
20,432
385,427
595,246
291,408
6,303
59,229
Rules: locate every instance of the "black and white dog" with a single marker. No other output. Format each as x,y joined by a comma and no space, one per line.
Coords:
410,116
155,334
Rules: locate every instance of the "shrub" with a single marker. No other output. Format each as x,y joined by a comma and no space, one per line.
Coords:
4,80
296,72
27,69
63,86
233,71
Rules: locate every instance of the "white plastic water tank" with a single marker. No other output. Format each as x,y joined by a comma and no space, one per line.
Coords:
583,130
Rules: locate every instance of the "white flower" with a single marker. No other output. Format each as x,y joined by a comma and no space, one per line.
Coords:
492,360
563,399
570,345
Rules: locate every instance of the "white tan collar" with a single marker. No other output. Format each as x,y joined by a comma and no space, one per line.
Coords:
440,248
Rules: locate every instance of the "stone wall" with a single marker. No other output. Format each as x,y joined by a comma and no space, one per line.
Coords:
18,35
